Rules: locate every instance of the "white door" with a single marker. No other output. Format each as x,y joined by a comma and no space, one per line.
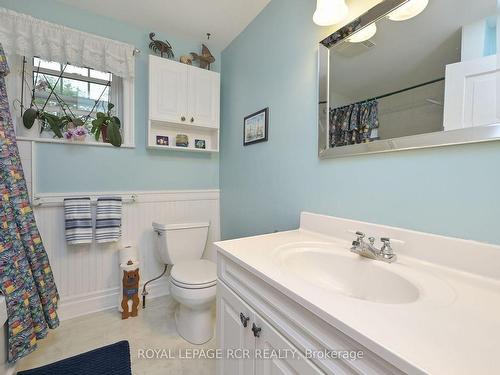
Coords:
472,95
167,90
275,355
234,337
204,97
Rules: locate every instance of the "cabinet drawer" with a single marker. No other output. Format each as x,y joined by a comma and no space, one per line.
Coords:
306,331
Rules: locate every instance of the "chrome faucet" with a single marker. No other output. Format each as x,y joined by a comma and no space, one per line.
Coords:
368,249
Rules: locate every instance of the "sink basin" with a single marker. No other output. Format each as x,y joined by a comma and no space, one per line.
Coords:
340,271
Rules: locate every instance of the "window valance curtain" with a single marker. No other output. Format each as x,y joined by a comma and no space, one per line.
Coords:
28,36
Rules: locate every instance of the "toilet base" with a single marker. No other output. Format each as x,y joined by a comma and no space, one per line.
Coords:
194,326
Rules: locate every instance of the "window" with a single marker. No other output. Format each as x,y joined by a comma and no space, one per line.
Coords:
82,92
82,89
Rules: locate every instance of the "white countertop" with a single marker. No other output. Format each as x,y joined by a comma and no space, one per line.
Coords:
454,329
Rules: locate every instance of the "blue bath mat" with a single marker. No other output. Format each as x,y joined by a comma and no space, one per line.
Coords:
109,360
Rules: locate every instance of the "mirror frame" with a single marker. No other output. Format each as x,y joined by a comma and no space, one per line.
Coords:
436,139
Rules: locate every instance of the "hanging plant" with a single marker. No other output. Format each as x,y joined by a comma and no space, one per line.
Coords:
107,126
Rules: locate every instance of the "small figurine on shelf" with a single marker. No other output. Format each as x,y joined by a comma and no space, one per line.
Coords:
130,293
186,59
205,59
182,140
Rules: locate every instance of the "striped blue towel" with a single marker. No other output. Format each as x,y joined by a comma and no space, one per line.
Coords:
78,220
108,224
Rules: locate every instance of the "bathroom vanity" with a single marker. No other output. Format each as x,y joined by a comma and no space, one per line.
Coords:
302,302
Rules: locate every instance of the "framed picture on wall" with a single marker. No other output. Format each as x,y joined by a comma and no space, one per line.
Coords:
255,127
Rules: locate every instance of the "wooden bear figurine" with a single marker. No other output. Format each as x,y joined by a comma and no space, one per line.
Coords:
130,292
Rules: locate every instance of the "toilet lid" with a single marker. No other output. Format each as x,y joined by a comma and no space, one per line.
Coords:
196,273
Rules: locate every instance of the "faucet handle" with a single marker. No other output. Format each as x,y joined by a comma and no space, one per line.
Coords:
386,248
360,235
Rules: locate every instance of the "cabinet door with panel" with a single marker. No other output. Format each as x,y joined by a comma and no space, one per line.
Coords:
203,97
239,327
168,96
233,333
275,355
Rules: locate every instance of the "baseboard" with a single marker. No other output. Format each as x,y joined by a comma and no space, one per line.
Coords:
76,306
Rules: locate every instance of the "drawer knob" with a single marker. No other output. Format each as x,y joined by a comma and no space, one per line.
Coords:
244,320
192,119
183,118
256,330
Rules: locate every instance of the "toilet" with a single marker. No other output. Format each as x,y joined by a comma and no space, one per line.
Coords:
192,279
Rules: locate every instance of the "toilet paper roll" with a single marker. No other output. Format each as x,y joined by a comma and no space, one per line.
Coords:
129,267
128,253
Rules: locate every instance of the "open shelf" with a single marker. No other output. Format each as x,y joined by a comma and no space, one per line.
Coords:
194,132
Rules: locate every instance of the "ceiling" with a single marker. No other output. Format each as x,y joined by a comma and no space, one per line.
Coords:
405,53
224,19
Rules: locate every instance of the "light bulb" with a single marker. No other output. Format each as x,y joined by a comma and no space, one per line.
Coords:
330,12
408,10
363,34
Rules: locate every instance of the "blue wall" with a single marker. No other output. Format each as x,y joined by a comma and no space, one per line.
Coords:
71,168
451,190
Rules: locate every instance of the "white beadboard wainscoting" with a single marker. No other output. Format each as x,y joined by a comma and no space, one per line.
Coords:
88,276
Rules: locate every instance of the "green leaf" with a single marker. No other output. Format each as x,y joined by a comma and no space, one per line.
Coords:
100,114
116,120
54,122
114,135
110,106
29,117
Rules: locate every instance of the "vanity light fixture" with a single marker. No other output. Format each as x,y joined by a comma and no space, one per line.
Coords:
330,12
408,10
364,34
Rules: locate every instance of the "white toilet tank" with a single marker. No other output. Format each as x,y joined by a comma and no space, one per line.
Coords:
176,243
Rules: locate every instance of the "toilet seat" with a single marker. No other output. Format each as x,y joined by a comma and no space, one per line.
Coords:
198,274
192,286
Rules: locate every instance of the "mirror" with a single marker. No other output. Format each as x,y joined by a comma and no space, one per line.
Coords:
411,74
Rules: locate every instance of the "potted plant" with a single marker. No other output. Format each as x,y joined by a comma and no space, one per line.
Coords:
107,126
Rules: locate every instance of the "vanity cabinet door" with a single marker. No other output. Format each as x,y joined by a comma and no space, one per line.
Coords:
168,97
234,336
204,97
275,355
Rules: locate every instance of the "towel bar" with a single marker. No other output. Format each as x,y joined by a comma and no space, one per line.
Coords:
54,202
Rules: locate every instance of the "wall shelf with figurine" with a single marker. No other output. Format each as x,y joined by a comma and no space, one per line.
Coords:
184,107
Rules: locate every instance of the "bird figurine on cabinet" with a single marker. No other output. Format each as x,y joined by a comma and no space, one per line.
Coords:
158,46
205,59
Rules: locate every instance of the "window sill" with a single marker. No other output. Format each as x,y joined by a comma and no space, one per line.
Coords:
65,142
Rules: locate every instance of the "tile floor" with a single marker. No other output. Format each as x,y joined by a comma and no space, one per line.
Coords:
154,328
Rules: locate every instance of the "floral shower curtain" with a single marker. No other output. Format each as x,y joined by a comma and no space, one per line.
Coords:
26,278
355,123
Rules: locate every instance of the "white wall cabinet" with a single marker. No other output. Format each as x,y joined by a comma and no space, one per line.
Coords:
472,93
168,90
183,99
203,97
257,348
